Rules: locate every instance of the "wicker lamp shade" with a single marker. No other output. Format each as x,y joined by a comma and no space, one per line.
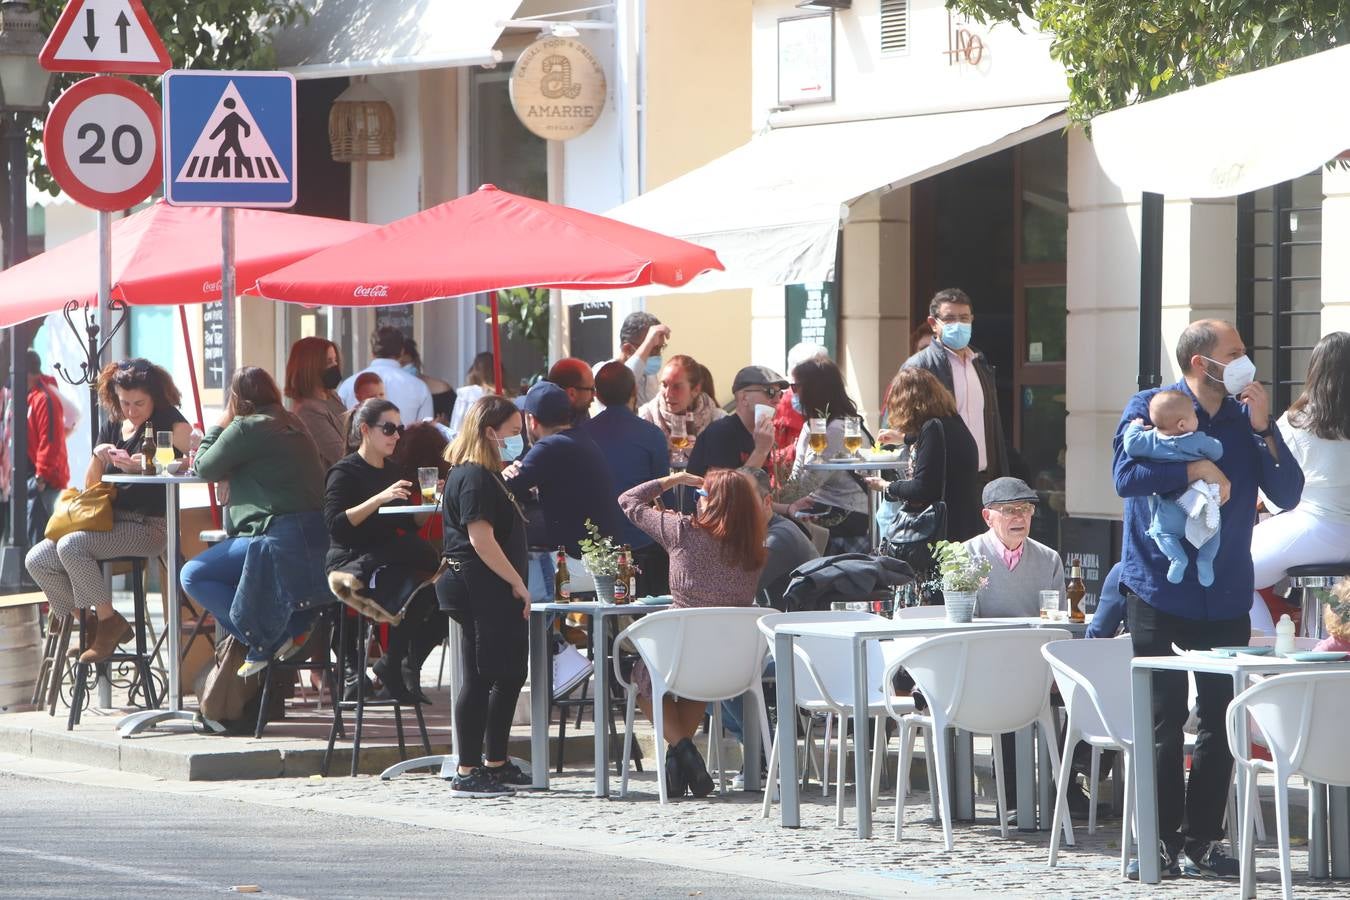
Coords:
361,126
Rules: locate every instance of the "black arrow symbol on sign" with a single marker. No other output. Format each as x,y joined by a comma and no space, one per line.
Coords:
122,25
90,37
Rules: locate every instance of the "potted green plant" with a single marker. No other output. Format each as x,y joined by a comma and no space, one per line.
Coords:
600,555
962,576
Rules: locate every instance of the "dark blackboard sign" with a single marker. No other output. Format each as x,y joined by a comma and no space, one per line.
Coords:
812,315
213,346
591,326
1095,544
400,317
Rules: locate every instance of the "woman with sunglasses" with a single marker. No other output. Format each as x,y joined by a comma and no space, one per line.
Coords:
380,558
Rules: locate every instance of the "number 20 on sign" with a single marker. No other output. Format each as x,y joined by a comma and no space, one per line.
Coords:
102,142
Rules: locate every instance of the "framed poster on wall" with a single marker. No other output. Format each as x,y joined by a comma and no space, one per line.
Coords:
806,59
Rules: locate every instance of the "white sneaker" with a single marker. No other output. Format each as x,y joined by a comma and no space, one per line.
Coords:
738,781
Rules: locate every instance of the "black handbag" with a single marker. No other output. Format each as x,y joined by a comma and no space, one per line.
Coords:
911,533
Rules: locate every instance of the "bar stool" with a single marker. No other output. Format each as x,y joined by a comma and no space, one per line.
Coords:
1316,582
143,683
322,634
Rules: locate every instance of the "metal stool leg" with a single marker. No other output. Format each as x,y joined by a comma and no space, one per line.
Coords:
422,728
398,728
77,695
363,633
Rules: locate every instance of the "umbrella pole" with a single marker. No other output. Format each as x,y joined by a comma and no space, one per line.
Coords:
197,401
496,346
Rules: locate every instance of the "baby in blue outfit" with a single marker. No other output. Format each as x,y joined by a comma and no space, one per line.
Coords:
1174,438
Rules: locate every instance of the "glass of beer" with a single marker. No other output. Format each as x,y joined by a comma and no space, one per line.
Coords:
1049,604
816,439
427,477
679,440
163,450
853,436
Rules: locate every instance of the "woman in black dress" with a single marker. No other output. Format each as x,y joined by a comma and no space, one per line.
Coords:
483,589
377,563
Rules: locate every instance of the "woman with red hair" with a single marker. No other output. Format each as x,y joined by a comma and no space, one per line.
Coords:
716,556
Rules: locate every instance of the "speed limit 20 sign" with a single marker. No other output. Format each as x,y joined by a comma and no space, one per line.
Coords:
102,142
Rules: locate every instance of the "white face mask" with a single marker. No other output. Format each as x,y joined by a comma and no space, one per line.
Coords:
1236,375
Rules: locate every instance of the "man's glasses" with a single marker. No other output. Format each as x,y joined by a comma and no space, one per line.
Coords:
773,393
952,320
389,429
1018,510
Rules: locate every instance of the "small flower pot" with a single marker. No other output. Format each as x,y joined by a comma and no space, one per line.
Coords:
604,588
960,605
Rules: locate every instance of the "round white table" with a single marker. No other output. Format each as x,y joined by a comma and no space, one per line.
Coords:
409,510
860,465
149,718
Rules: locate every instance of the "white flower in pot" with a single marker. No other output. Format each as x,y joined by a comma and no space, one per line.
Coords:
600,555
962,576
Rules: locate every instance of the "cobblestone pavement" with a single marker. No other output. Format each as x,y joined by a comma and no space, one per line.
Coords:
982,863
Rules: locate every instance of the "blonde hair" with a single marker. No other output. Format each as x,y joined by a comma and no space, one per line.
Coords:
472,445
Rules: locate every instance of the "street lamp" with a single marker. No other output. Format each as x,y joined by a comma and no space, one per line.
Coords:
23,93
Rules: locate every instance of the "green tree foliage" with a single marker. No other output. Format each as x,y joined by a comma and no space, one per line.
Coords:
1119,53
199,34
523,314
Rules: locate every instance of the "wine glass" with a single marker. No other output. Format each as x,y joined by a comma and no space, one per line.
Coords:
163,450
853,436
679,441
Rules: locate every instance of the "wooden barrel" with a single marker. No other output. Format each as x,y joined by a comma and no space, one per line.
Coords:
20,654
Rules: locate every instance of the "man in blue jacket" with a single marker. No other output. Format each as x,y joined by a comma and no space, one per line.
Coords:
1233,408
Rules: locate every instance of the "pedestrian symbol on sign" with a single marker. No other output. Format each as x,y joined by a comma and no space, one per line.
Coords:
231,149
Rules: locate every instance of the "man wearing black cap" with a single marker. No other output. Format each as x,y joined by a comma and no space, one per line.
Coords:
1020,568
746,438
567,468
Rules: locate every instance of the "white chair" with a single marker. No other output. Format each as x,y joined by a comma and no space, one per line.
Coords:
1304,719
708,654
1094,680
921,612
823,670
985,682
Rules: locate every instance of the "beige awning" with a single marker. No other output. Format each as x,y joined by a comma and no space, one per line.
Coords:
1232,136
772,208
361,37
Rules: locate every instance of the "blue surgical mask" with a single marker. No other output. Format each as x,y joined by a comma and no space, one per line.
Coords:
653,366
410,368
797,404
512,447
955,335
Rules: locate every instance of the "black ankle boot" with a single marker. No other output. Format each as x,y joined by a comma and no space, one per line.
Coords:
695,772
391,676
675,781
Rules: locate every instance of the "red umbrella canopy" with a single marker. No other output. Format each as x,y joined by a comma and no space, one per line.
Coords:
166,255
486,241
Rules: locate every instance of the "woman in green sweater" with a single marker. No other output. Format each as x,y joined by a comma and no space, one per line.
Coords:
273,468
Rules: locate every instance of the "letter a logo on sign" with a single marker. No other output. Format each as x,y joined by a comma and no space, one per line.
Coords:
231,149
108,36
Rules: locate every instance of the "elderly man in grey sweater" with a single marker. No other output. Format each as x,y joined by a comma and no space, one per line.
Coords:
1020,568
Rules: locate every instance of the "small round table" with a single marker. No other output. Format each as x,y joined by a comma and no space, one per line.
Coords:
409,510
860,465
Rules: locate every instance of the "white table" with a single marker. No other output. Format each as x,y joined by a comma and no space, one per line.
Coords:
408,510
860,465
858,634
140,721
1145,778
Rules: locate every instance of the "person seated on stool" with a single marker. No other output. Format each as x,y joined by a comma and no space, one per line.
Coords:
378,558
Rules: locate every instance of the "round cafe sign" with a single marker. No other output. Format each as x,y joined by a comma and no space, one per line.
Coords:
558,88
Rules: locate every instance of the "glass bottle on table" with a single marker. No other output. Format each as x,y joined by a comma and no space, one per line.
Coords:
562,581
623,587
148,450
1075,590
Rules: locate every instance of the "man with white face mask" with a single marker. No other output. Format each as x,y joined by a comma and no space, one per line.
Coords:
965,372
1232,408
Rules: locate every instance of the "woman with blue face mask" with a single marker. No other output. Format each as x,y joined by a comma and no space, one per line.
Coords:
483,588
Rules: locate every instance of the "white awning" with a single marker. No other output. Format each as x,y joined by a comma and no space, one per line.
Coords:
772,208
1232,136
358,37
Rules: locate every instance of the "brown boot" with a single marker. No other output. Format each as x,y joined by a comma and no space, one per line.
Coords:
90,632
110,633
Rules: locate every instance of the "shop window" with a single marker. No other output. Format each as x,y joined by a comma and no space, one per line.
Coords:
894,26
1279,282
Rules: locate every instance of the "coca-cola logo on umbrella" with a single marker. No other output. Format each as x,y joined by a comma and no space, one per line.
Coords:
374,290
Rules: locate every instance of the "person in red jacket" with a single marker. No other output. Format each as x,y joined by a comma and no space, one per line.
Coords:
48,468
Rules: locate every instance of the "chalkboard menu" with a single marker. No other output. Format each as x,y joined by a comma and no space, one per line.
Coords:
1095,544
813,315
213,345
400,317
592,331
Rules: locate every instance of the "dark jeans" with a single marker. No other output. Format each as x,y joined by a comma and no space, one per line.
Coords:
1188,811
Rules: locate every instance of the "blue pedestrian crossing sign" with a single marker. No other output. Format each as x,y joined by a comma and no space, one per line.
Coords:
229,139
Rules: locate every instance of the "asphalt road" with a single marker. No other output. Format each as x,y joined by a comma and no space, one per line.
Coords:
61,840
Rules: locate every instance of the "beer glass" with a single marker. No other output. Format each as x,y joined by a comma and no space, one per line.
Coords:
679,441
427,477
816,439
853,436
163,451
1049,604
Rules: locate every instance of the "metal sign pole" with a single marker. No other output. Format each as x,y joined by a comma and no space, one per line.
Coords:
95,417
227,291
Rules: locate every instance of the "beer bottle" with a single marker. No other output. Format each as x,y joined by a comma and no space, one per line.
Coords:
632,573
622,579
1075,591
562,582
148,450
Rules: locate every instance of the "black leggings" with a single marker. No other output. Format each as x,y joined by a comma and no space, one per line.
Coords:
495,646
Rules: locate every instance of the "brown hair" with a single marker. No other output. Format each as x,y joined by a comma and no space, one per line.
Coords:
820,384
1324,406
481,371
366,379
732,513
304,367
914,397
421,445
691,369
136,374
472,445
251,389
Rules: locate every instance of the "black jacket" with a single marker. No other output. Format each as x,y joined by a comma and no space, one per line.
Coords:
945,465
934,359
846,577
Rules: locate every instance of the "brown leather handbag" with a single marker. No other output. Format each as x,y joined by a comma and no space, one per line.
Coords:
90,509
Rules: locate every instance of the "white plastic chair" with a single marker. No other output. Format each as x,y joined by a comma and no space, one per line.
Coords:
708,654
823,669
984,682
1305,721
921,612
1094,680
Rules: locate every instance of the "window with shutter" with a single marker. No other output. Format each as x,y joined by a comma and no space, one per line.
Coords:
894,26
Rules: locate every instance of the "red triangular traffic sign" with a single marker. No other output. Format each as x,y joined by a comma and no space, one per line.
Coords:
109,36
